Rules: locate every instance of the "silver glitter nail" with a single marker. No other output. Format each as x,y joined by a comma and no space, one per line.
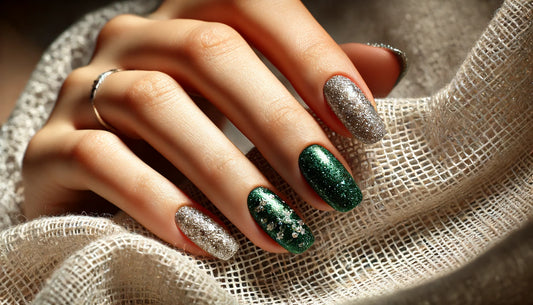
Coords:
354,109
206,233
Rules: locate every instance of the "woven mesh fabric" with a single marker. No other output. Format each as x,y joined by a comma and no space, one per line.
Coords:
451,182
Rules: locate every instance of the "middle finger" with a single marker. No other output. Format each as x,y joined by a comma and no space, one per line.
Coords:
216,61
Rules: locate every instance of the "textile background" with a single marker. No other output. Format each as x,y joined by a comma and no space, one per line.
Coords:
448,203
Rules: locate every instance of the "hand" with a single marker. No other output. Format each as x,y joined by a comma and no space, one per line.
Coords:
191,48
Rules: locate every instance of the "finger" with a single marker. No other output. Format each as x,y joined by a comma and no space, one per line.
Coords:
100,162
154,107
313,62
381,66
214,60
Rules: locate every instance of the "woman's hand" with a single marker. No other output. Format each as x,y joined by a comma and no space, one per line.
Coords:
156,131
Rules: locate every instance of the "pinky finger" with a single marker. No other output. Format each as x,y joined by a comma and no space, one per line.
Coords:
380,65
106,166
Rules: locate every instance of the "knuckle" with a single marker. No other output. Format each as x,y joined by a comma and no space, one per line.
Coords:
222,165
281,114
76,78
316,50
227,163
212,39
153,89
114,28
92,144
145,185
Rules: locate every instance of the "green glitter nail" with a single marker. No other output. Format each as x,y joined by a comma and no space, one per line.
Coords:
328,177
279,221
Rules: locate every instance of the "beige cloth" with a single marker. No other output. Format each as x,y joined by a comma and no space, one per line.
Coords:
448,192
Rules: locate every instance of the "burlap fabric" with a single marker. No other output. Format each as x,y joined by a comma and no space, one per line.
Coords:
448,192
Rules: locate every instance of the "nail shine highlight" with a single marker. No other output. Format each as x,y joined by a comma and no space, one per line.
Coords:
329,178
354,110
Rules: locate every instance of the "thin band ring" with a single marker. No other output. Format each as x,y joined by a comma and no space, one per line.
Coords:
96,84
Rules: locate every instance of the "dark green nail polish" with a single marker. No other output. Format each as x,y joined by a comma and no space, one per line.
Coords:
328,177
279,221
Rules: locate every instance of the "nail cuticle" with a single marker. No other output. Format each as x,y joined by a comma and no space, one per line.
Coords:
329,178
279,221
354,109
206,233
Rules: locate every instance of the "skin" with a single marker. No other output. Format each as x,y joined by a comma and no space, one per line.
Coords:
202,47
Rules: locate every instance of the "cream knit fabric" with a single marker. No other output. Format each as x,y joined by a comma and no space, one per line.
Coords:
448,192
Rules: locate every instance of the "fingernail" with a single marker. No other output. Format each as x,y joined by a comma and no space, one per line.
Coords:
400,56
329,178
206,233
354,109
279,221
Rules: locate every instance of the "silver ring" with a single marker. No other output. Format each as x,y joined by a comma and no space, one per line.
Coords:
96,84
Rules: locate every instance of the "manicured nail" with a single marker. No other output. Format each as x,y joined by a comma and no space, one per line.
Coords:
206,233
279,221
329,178
354,109
400,56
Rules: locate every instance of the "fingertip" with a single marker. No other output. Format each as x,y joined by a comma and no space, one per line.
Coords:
380,65
399,56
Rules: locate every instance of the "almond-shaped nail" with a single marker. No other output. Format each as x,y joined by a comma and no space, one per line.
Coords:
329,178
354,109
400,55
206,233
279,221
